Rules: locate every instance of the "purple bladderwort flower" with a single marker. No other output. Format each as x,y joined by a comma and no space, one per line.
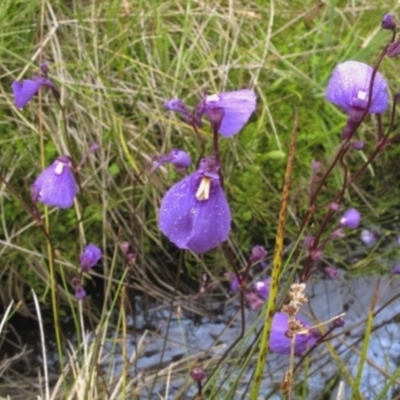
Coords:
368,237
236,106
24,91
228,112
179,158
194,213
56,185
351,219
90,256
279,341
262,288
349,85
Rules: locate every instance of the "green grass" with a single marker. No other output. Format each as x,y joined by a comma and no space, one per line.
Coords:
115,63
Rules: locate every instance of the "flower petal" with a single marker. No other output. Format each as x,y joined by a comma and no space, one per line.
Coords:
349,84
56,185
23,92
175,219
280,343
197,225
237,106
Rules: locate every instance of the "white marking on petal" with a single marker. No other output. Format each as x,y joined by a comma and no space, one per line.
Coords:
212,97
59,168
260,285
203,192
362,95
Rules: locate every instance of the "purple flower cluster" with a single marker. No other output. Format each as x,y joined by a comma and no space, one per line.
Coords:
194,213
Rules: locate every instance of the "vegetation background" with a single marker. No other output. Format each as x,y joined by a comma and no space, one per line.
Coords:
116,62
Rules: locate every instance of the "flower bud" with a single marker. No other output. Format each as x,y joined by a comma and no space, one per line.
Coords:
331,272
393,49
338,322
334,206
197,374
358,145
337,234
124,246
90,256
80,292
388,22
258,253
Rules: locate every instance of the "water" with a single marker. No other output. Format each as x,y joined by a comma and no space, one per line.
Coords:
170,349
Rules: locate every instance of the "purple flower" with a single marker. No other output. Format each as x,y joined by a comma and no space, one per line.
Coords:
280,342
90,256
262,288
368,237
351,219
56,185
25,90
349,85
228,112
237,108
179,158
194,213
